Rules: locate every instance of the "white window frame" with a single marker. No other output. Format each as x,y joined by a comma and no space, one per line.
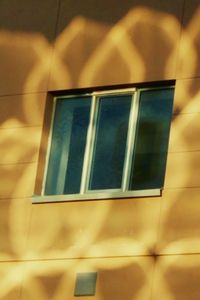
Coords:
86,194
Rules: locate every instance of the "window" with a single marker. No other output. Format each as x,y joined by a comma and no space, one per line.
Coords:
109,144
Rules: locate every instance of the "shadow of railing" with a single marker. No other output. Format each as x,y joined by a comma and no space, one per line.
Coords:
90,53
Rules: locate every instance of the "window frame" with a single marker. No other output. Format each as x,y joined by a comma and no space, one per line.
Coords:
85,193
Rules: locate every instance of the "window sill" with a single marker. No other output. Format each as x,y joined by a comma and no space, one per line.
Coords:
96,196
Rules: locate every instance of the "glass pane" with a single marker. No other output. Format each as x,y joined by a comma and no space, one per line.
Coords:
68,146
110,142
152,132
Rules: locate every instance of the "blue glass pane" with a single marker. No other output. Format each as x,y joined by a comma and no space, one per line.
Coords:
68,146
151,143
110,142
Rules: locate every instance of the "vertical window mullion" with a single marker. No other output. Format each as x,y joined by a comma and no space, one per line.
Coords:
89,146
130,140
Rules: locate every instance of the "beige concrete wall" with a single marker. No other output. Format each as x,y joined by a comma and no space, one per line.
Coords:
145,248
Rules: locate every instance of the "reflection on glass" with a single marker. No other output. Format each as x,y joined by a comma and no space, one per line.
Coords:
68,146
110,142
151,140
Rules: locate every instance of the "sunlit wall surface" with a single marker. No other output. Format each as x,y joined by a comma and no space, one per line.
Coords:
141,249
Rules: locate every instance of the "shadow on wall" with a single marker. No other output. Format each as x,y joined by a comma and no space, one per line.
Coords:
31,16
55,279
91,51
